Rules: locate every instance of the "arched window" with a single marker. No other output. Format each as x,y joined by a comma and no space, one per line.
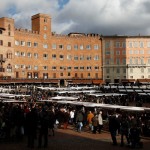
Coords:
9,55
9,68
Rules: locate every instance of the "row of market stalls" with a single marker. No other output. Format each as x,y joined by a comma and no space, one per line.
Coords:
73,98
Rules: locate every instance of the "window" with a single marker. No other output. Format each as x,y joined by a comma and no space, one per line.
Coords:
107,61
53,46
29,44
45,20
117,61
107,70
96,47
130,44
88,68
96,68
136,52
9,55
124,44
117,44
22,66
29,67
17,53
45,56
53,67
68,47
124,70
45,67
1,32
96,57
76,75
75,57
148,70
45,27
9,27
141,51
89,75
124,61
148,44
69,68
22,54
107,52
75,68
148,60
16,66
142,60
9,68
107,44
9,44
136,60
45,36
69,74
45,46
35,67
81,47
81,57
61,68
60,46
130,51
82,68
36,55
54,75
141,44
88,58
61,57
117,52
135,44
131,70
16,42
22,43
54,56
1,42
61,74
88,47
142,70
29,55
76,47
35,44
69,57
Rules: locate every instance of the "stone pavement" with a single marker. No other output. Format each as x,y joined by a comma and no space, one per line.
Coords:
70,139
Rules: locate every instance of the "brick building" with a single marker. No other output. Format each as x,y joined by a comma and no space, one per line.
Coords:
42,54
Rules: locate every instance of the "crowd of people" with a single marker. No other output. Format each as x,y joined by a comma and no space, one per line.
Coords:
38,120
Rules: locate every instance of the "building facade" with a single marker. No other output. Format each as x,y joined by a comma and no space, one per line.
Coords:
42,54
126,57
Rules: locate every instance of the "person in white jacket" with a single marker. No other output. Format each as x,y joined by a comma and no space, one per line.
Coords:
100,121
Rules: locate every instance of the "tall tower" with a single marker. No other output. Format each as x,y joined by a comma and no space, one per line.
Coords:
42,24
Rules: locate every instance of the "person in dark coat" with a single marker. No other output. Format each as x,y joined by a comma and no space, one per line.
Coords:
113,126
79,120
52,120
43,130
31,126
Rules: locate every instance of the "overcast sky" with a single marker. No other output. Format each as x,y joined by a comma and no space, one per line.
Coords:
106,17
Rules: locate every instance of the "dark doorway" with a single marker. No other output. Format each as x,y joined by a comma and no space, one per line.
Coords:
62,82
